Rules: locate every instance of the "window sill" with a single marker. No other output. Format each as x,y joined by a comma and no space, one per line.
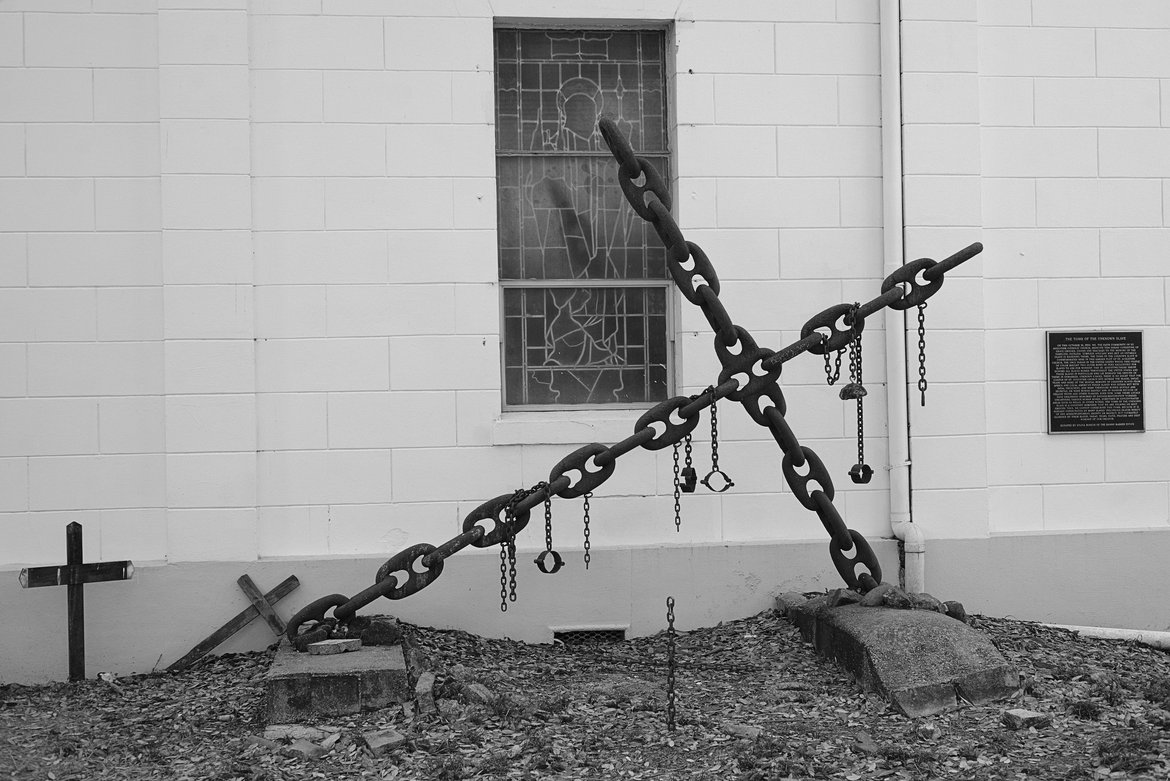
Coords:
564,427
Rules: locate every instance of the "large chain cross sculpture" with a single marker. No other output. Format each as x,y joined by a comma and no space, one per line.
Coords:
749,376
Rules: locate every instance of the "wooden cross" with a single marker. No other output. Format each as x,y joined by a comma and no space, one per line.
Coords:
261,606
74,575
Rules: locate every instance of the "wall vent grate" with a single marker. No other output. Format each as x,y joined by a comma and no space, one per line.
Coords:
579,637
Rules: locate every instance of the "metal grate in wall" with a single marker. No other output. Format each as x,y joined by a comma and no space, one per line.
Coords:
580,637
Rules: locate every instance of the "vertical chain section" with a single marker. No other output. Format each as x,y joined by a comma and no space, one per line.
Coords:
670,663
586,513
689,477
715,470
749,376
832,374
677,493
503,576
922,351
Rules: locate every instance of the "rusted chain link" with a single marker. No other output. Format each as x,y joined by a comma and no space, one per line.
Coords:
749,376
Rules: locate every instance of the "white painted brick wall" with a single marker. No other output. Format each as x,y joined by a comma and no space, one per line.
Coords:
248,299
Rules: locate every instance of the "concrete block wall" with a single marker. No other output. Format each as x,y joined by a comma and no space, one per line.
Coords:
1073,141
249,272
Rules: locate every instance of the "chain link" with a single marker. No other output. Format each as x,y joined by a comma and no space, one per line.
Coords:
749,376
922,351
670,664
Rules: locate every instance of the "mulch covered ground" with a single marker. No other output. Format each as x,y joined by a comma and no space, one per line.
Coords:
753,703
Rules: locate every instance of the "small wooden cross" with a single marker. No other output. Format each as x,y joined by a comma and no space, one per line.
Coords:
74,575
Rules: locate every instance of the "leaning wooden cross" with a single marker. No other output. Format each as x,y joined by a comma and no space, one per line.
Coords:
74,575
261,606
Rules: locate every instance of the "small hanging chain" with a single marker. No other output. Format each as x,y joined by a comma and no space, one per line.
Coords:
587,528
508,549
714,433
503,576
855,376
677,493
670,663
548,525
689,477
922,351
832,374
512,569
547,520
715,470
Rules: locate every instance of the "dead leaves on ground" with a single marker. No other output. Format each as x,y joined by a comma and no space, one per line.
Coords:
753,703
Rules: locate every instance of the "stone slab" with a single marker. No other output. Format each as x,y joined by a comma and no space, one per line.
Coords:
300,686
922,661
335,646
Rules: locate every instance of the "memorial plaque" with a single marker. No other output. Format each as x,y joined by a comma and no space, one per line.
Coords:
1095,381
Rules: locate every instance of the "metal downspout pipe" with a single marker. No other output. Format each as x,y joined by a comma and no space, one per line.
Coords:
913,574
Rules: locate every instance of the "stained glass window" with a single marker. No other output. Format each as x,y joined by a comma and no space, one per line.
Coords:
584,278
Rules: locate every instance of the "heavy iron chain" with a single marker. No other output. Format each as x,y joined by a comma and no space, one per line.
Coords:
749,376
715,470
922,351
670,663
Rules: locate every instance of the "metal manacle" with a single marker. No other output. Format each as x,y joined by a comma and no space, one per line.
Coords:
749,376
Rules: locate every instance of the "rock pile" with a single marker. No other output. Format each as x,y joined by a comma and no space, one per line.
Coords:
883,595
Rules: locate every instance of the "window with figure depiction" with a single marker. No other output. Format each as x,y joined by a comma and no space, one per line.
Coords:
584,279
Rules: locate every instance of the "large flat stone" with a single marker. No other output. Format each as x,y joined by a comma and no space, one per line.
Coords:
923,662
300,686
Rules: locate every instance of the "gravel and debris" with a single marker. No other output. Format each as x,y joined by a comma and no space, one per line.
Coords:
754,703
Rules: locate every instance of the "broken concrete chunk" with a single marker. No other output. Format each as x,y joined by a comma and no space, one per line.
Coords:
789,601
424,693
337,646
741,730
478,693
1019,718
294,732
925,601
304,748
875,596
955,610
897,598
383,741
843,596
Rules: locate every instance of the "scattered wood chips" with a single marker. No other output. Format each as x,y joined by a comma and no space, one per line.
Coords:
753,703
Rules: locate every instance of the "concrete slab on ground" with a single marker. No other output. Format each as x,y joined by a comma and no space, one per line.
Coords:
300,686
923,662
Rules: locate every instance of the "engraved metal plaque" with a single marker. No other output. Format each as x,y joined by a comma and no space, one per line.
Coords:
1095,382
